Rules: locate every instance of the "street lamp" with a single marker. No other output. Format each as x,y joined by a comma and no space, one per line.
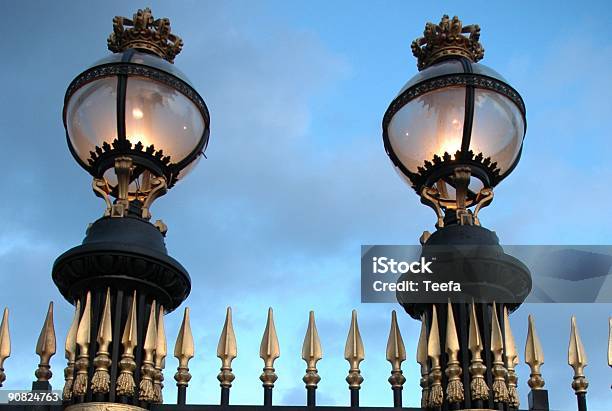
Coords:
136,124
133,120
453,133
456,128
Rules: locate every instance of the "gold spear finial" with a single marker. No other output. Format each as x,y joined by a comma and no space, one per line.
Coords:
184,350
534,357
577,359
161,350
227,350
70,353
512,359
311,353
269,351
83,339
500,390
100,383
45,347
422,359
478,387
454,388
354,353
146,391
396,353
5,344
436,393
126,386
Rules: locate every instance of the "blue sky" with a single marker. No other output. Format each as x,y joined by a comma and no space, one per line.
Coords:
297,177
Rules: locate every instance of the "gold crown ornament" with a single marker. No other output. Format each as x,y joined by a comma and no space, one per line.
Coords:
145,33
448,38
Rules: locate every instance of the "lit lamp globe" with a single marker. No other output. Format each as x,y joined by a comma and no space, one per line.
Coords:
133,120
456,128
137,125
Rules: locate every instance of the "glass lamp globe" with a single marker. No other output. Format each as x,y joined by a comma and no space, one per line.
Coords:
134,103
455,114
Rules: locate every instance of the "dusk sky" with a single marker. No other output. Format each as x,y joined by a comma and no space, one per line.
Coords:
297,178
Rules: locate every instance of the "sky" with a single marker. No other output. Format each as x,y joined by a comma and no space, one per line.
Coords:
297,179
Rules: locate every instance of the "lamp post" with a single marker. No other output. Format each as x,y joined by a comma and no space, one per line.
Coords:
453,133
136,124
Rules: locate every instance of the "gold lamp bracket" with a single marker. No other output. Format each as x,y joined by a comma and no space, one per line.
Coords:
151,188
432,197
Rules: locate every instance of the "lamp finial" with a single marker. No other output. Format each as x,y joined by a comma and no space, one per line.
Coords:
145,32
447,38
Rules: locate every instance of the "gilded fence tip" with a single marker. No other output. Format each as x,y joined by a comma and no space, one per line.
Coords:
422,359
396,353
126,387
70,353
5,343
45,347
436,393
478,386
454,388
354,353
161,350
311,353
100,383
512,359
79,387
184,350
269,351
146,390
577,359
500,390
534,357
227,350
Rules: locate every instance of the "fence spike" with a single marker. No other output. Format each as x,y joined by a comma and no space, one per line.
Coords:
311,354
126,386
184,350
5,343
269,351
478,387
396,354
100,383
146,390
70,353
454,388
500,390
512,359
436,393
227,350
577,359
45,347
161,350
534,357
83,340
422,359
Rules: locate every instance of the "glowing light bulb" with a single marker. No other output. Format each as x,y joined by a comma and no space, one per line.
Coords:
137,113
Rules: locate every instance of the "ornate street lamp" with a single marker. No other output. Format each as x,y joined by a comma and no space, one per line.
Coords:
137,125
453,133
133,120
456,128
